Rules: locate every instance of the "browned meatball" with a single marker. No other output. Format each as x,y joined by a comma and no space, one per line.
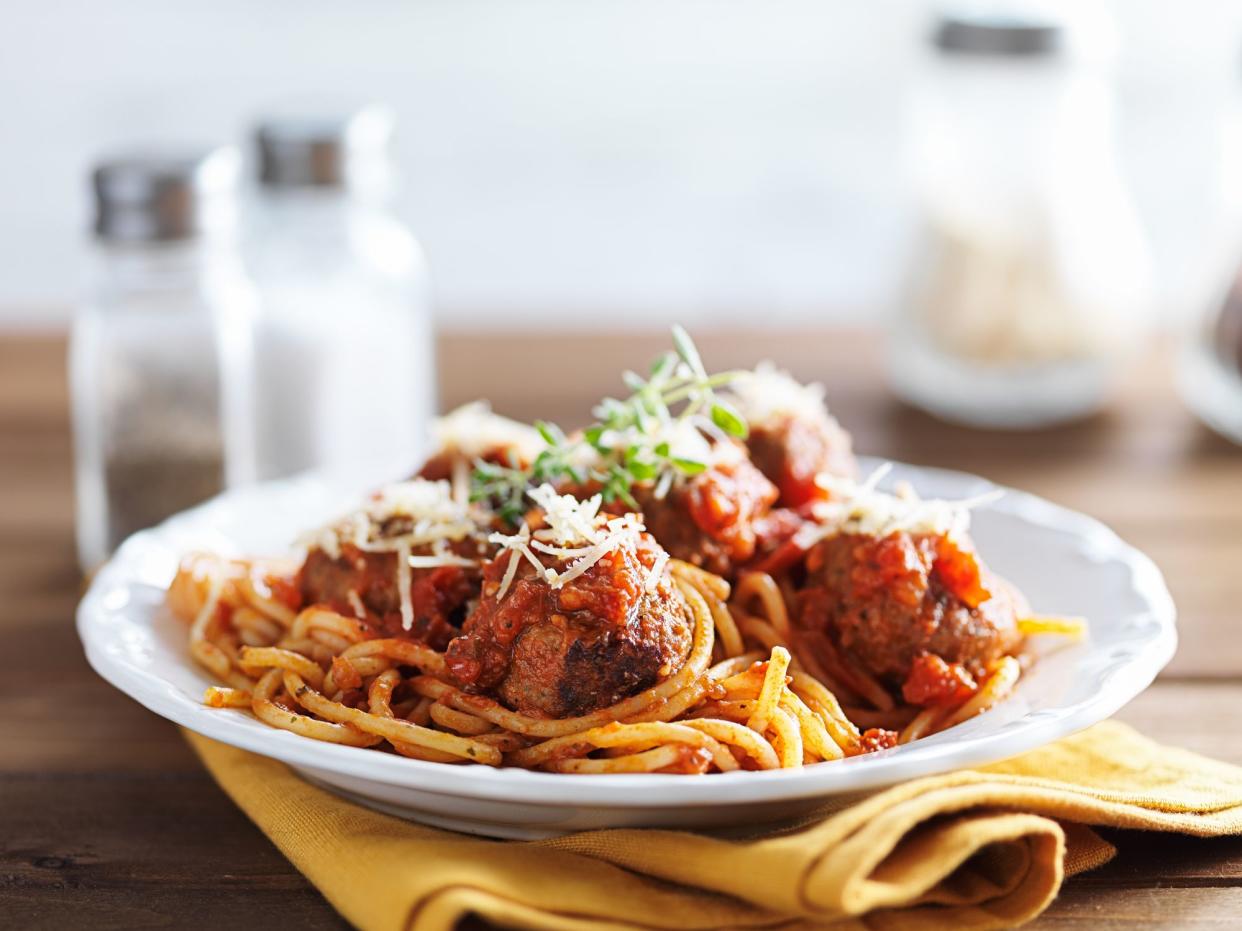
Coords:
439,596
791,450
442,465
711,519
567,651
352,565
472,433
887,601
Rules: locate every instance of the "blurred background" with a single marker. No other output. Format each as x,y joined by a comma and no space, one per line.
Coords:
283,234
590,165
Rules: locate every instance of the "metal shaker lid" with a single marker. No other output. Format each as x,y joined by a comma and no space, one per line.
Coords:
160,194
999,30
324,148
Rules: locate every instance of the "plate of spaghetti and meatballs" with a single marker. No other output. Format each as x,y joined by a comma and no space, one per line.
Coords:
698,607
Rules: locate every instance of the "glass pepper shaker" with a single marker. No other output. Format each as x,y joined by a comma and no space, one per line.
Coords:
159,349
344,360
1030,281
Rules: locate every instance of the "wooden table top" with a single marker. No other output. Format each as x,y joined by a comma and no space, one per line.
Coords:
107,819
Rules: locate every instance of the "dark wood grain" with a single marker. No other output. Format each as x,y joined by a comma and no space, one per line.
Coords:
108,821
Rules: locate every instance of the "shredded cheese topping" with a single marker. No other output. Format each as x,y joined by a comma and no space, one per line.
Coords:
570,521
472,430
434,517
404,584
862,508
396,519
657,570
575,533
768,393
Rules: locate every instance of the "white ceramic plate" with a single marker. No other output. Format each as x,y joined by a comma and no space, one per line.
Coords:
1065,563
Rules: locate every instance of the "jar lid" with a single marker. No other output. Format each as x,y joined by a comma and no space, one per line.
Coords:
148,195
323,148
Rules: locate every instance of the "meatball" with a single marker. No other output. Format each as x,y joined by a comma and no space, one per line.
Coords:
777,549
472,433
793,437
712,519
439,596
352,565
443,465
889,601
564,651
791,450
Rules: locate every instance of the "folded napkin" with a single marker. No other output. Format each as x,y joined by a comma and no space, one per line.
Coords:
973,849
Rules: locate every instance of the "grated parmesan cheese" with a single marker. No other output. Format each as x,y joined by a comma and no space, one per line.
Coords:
436,560
569,520
404,582
428,515
472,430
653,576
863,509
576,533
621,530
768,393
435,518
518,545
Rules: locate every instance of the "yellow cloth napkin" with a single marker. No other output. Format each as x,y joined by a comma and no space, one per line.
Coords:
973,849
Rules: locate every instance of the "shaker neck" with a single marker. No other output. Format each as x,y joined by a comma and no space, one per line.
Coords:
320,204
164,263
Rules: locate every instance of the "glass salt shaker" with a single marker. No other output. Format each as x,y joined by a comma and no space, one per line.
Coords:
1030,281
158,352
344,361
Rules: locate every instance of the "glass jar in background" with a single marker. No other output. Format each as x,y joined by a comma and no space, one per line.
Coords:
1210,370
344,361
159,349
1030,279
1210,367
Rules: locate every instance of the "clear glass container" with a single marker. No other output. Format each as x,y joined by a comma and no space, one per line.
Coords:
1210,367
344,358
159,350
1030,280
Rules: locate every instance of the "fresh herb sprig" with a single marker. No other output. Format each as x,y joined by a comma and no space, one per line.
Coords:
506,486
628,443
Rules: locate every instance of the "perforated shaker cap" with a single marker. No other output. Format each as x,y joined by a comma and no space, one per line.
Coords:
157,194
1009,31
325,148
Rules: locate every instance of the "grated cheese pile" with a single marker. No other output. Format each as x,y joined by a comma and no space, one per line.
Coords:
768,393
472,430
863,509
434,518
575,533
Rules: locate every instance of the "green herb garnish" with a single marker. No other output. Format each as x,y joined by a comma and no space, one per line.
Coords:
628,444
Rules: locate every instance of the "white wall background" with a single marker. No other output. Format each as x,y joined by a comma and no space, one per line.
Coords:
643,158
